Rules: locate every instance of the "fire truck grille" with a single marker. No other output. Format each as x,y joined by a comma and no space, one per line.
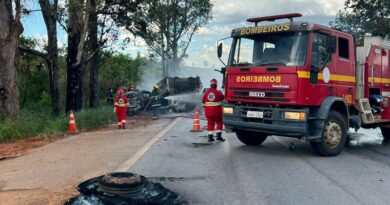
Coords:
275,95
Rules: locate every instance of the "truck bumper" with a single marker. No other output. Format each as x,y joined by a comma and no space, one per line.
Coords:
273,121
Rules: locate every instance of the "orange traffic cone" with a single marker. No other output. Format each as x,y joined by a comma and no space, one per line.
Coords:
196,125
72,123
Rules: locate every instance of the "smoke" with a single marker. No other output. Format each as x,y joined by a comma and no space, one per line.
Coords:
365,137
151,77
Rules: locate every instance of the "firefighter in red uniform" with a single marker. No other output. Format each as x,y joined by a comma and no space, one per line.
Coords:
120,107
212,100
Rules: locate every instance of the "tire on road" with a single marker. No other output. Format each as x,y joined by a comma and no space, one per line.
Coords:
386,133
251,138
334,136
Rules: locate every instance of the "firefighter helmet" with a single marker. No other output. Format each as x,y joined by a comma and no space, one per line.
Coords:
213,82
120,91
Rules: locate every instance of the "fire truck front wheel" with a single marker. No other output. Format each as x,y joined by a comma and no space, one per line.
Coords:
334,136
251,138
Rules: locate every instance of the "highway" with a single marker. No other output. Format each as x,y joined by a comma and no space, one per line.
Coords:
280,171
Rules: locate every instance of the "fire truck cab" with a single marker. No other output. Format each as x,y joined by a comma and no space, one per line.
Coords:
303,80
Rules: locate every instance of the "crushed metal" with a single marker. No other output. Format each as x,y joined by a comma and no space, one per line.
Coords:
123,188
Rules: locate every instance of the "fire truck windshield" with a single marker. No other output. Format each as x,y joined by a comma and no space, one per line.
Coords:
278,49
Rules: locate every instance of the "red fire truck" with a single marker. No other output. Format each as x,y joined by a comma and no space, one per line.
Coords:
306,81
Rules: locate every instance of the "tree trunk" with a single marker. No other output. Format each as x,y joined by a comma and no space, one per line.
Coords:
94,62
49,13
74,92
163,57
10,29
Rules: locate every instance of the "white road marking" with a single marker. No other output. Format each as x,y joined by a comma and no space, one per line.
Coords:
128,163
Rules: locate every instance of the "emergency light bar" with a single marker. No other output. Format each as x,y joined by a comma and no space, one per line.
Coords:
274,17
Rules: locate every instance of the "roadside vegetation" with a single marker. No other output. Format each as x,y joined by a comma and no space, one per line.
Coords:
41,81
37,120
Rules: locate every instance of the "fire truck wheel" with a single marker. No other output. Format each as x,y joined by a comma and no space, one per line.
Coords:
386,133
333,137
251,138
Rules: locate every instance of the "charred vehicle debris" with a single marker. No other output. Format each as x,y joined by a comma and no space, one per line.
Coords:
124,188
170,94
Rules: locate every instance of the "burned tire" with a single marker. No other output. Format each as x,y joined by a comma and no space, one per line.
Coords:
385,133
334,136
251,138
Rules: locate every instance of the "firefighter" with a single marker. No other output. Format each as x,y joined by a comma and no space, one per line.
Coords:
156,100
120,108
212,100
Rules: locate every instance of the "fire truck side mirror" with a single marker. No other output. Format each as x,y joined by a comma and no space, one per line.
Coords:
331,44
219,49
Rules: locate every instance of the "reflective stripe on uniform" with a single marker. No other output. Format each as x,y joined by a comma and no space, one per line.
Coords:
212,104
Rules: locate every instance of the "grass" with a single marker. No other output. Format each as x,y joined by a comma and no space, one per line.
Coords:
36,120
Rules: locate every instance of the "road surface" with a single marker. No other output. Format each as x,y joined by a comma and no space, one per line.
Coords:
276,172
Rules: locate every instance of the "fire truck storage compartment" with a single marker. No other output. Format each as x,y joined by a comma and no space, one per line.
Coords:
374,57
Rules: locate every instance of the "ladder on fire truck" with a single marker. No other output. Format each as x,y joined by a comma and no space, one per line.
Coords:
365,111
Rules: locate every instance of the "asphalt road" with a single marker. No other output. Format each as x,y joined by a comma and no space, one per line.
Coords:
277,172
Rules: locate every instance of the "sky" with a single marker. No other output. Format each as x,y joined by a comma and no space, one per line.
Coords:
227,14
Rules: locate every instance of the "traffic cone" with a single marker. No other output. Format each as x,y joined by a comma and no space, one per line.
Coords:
196,125
72,123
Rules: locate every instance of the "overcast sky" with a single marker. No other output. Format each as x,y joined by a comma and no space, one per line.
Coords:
227,14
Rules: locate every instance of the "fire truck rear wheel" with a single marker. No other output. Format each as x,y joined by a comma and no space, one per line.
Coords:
251,138
386,133
334,136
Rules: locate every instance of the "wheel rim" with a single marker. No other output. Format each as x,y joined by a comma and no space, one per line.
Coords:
332,134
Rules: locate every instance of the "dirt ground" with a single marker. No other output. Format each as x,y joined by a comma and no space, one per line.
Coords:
48,170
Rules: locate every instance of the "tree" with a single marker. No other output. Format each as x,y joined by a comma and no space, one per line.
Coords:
373,14
49,13
119,70
365,17
93,63
167,26
101,32
349,23
77,24
10,30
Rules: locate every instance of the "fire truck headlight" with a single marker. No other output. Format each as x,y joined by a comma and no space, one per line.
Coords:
294,115
228,110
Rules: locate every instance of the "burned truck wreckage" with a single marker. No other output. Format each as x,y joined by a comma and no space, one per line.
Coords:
170,94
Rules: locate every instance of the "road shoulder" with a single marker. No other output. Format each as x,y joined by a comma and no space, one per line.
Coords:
62,165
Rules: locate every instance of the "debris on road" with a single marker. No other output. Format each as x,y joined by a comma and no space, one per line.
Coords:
123,188
173,93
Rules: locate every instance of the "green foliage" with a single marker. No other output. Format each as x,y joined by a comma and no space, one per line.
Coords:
364,17
36,120
33,75
119,70
349,23
88,119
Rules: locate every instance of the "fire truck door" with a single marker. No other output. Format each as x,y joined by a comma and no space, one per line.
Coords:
344,73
